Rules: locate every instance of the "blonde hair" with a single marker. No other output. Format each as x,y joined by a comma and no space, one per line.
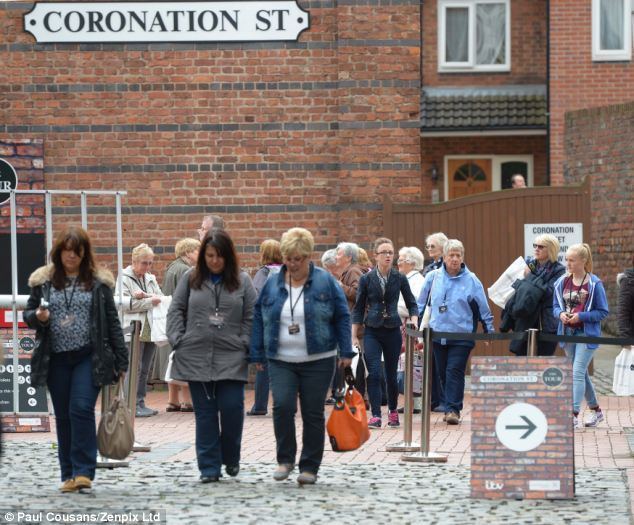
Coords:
185,246
551,243
270,252
364,261
141,250
297,241
583,250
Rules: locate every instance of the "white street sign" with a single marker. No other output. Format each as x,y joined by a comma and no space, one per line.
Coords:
567,234
521,427
238,21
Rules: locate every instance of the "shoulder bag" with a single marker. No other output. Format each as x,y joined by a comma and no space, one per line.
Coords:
347,425
115,436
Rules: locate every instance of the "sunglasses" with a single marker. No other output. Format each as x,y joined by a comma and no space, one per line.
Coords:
540,246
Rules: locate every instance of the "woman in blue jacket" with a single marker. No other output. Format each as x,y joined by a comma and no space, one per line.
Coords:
457,302
377,308
300,323
580,305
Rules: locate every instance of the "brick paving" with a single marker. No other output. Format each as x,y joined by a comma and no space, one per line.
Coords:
604,470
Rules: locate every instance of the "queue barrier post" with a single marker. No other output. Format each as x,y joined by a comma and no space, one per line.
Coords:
407,445
133,378
424,455
531,346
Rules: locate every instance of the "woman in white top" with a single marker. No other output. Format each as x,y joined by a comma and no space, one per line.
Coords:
410,263
141,293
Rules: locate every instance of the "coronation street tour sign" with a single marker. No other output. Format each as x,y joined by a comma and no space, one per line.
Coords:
103,22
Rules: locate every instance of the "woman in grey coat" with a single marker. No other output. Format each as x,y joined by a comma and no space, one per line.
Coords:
209,328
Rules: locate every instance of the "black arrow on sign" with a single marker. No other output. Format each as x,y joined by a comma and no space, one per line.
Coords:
529,427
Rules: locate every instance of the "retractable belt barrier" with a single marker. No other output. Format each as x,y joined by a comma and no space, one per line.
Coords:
519,336
428,335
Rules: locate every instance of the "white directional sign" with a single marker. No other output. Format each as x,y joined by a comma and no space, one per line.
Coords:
521,427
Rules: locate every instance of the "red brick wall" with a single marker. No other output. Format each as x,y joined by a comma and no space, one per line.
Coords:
598,144
27,158
435,149
267,135
528,49
576,82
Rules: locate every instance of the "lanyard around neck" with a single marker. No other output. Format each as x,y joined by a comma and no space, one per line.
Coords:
290,298
69,302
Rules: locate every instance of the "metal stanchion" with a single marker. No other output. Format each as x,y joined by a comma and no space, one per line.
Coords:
133,379
407,445
424,455
531,347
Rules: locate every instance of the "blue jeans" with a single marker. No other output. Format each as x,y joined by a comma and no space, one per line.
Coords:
261,399
386,341
581,356
453,360
311,381
74,396
219,414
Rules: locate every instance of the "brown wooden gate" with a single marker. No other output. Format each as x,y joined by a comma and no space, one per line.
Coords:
491,227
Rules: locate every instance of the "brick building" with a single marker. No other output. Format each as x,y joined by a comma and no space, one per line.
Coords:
421,100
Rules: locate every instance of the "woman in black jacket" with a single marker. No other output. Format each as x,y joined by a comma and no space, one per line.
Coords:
376,308
543,269
79,348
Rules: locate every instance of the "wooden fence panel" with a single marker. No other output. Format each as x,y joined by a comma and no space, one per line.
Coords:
491,227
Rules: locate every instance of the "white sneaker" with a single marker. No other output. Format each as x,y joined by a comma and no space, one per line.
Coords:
596,416
575,422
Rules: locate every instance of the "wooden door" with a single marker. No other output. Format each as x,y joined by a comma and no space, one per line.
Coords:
468,177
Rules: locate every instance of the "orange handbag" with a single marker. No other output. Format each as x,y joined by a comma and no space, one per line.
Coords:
347,425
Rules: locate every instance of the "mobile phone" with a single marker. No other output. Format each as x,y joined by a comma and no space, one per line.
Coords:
43,304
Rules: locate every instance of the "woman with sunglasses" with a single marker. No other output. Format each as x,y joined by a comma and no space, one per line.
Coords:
377,308
434,244
301,323
545,268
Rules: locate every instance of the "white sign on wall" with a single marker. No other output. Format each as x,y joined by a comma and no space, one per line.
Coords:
566,233
70,22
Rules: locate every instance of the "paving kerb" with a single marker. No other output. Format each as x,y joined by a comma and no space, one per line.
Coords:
370,481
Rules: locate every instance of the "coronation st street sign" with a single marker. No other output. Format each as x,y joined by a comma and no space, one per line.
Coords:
166,21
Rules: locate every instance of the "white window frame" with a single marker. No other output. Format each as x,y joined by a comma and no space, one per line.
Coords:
496,168
603,55
470,65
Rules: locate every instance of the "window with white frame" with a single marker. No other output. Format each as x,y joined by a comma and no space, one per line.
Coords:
474,35
611,30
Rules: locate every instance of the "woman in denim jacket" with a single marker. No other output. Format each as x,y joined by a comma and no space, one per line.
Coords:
580,305
300,323
378,295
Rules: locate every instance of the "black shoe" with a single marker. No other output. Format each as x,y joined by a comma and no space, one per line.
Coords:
232,470
415,411
331,401
254,412
209,479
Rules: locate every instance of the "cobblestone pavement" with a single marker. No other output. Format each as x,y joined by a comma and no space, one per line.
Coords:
392,493
367,484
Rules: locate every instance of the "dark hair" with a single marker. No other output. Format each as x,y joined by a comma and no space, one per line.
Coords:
382,240
223,244
76,239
